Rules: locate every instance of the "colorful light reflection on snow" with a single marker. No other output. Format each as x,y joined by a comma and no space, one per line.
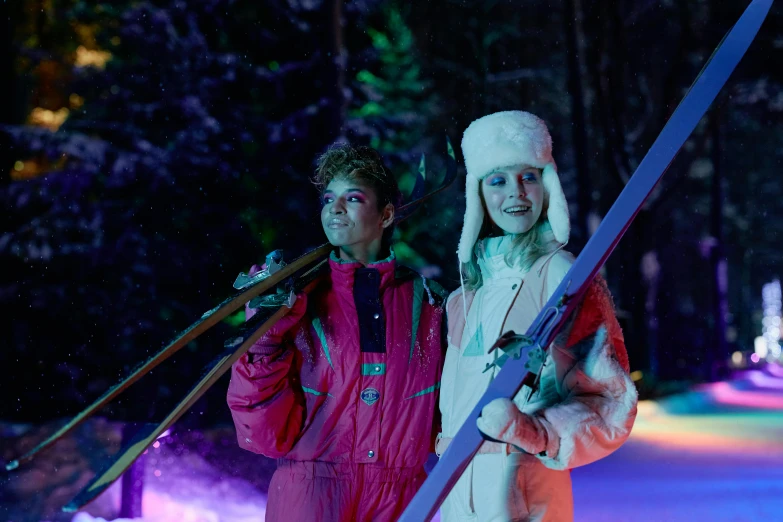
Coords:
720,422
742,416
692,457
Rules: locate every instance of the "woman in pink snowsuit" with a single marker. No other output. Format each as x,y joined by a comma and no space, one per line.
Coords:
516,224
343,390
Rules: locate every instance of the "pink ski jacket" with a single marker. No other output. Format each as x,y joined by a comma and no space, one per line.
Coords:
352,388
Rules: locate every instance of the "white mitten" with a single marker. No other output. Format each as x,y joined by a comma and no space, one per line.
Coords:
502,420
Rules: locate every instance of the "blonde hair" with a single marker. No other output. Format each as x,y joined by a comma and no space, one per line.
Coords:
526,248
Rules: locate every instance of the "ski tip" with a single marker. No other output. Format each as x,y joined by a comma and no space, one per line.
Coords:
12,465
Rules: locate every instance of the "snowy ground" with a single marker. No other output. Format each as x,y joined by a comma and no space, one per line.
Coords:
715,453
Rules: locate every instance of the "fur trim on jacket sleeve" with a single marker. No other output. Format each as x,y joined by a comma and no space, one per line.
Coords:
597,405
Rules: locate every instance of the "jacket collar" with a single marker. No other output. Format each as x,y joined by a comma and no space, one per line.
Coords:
343,273
492,261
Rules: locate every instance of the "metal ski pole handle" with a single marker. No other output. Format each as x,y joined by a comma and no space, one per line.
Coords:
510,378
251,287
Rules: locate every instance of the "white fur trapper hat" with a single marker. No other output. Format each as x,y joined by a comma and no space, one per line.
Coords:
501,140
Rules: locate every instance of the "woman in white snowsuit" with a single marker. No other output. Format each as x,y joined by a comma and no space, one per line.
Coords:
511,257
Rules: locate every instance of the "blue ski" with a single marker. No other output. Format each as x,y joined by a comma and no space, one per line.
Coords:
513,373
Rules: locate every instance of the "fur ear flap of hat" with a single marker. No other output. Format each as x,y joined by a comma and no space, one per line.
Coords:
557,208
474,218
501,140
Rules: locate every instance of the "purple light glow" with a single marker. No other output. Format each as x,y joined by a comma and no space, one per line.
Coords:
775,370
764,381
713,453
725,394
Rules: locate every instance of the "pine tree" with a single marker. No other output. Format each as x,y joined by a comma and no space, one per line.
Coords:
392,112
186,156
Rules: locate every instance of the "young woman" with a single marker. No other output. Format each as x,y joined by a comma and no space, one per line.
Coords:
516,224
343,390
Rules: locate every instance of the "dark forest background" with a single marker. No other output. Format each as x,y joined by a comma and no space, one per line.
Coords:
150,151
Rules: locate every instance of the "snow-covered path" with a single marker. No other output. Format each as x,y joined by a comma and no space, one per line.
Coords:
714,453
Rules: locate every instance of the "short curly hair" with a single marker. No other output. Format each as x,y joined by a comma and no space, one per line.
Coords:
361,163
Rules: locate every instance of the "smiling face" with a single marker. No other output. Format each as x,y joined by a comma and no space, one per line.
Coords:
514,197
351,218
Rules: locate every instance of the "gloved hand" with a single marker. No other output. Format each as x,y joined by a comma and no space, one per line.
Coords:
270,342
502,420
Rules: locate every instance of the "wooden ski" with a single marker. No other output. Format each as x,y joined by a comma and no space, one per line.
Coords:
304,272
264,319
207,321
